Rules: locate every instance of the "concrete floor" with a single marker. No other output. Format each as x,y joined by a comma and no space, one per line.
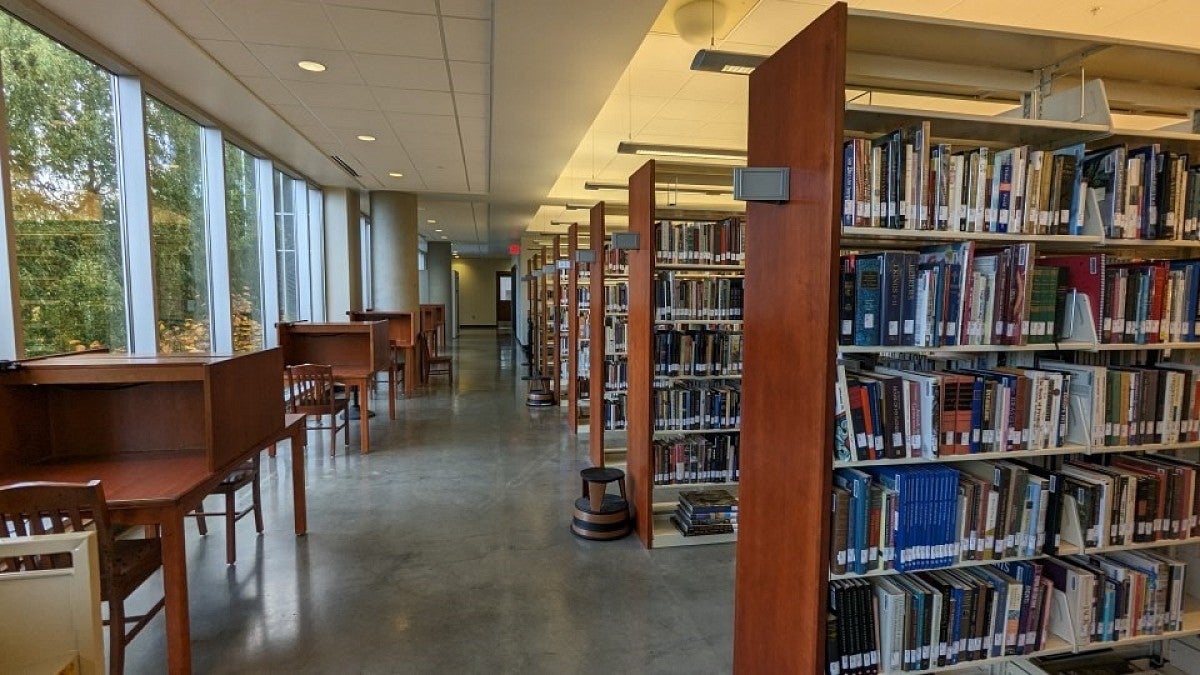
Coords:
446,550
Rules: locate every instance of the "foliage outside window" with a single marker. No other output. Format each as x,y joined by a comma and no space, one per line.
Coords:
174,149
245,262
62,140
286,234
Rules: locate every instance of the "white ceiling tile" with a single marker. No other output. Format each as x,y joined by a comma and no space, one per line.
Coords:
747,48
349,137
656,82
270,90
385,156
373,31
774,22
234,56
263,22
468,39
471,105
664,52
413,101
470,78
673,128
403,72
333,95
350,118
1161,23
477,179
726,131
718,87
918,7
473,127
406,124
282,60
734,112
681,109
320,136
1074,16
473,9
296,115
194,18
411,6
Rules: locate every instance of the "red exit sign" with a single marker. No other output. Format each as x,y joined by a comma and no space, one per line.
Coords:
514,249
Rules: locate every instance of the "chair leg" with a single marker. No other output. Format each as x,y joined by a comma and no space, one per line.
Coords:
345,427
256,493
116,637
201,523
230,528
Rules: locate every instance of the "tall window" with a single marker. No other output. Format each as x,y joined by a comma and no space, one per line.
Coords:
173,148
287,189
245,265
64,193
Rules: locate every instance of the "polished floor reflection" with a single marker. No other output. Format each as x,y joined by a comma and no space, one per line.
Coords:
447,550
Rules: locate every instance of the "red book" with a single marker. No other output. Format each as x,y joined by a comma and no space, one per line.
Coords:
1085,273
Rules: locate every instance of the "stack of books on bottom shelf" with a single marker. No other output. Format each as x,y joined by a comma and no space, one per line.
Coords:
706,512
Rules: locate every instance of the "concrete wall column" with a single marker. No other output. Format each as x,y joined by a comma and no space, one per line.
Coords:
343,253
394,250
437,264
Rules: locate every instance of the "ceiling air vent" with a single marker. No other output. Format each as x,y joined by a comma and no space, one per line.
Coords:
345,167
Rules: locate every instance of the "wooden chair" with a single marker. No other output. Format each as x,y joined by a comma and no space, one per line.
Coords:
46,508
246,474
310,392
432,363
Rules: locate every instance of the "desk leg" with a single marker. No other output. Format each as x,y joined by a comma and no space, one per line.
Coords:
410,370
364,417
392,393
175,591
299,504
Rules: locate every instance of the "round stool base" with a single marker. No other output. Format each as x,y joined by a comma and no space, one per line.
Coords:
609,523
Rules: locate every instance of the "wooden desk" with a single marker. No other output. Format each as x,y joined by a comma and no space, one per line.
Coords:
356,350
295,430
159,432
402,335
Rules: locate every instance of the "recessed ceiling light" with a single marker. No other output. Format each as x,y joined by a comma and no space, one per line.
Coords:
445,237
394,174
437,230
312,66
431,221
366,137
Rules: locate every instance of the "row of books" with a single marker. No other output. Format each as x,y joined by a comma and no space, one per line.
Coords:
615,412
696,459
616,297
583,297
721,242
616,262
682,296
697,352
1134,405
902,180
890,413
616,335
924,620
1150,302
913,518
1144,192
616,374
706,512
915,622
948,295
715,404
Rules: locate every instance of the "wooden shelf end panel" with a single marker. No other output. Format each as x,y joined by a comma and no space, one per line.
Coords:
796,121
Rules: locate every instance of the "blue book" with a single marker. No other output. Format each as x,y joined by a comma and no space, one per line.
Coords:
1189,268
1074,217
891,297
1147,225
858,484
866,309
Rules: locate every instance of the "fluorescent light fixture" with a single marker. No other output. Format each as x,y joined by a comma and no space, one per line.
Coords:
734,63
577,207
366,137
563,222
665,187
661,150
312,66
395,174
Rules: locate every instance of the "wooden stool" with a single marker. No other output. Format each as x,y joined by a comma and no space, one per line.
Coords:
598,515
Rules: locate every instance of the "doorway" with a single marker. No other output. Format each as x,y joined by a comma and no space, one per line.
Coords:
504,300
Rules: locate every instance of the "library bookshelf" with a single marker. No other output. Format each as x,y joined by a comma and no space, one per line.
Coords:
579,335
784,582
653,503
606,276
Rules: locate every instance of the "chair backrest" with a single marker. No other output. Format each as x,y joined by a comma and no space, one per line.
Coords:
429,343
309,385
55,508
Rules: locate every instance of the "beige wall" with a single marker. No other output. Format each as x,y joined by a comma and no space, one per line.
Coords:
477,289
